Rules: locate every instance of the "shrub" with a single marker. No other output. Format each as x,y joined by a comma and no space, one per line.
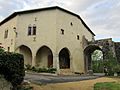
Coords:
40,70
110,64
34,69
28,67
51,70
2,50
12,67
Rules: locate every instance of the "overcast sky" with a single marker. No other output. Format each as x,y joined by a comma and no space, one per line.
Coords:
102,16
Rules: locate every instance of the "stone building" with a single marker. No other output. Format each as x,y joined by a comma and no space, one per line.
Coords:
49,37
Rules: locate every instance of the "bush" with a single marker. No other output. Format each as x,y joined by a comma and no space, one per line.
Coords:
51,70
12,67
28,67
40,70
110,64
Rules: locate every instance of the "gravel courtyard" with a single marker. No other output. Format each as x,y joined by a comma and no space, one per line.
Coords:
48,79
78,85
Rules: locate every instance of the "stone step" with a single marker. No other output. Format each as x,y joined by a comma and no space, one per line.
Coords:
66,72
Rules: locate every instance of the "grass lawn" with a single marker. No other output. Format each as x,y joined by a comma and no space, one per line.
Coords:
107,86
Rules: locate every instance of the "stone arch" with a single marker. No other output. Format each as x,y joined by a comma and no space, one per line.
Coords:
26,52
87,55
64,58
44,57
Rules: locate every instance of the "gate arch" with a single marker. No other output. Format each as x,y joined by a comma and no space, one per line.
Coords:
87,55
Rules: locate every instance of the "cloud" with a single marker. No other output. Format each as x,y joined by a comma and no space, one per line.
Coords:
102,16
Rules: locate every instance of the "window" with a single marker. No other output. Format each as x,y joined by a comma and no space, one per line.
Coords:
34,30
29,30
6,34
8,49
62,31
71,24
78,37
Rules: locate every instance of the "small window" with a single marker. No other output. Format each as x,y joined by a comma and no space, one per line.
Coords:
29,30
62,31
78,37
34,30
6,34
71,24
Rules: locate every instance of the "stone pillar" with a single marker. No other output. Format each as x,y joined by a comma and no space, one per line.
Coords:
56,63
33,60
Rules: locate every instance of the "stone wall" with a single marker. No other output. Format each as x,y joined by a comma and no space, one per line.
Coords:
107,45
117,50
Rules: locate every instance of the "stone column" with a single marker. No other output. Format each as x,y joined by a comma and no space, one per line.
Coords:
56,63
33,60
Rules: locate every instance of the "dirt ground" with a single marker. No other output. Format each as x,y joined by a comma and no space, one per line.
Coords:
80,85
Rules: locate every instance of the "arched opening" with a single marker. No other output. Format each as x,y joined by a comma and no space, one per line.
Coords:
44,57
93,54
64,59
26,52
97,61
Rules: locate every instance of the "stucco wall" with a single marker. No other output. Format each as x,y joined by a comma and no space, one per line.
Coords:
45,32
69,39
10,40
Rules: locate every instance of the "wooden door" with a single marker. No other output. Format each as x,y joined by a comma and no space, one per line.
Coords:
50,61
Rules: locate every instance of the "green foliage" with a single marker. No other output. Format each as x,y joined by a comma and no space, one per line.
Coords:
2,50
28,67
107,86
97,61
52,70
97,66
40,70
111,64
12,67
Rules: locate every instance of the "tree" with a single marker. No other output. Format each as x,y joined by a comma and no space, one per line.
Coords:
110,62
97,61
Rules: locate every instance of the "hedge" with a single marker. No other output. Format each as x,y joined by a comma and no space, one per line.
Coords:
12,67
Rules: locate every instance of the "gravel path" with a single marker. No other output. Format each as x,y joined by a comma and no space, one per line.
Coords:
47,79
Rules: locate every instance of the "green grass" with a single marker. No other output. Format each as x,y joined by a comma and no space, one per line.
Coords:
107,86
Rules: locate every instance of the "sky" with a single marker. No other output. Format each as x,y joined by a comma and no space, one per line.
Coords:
102,16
